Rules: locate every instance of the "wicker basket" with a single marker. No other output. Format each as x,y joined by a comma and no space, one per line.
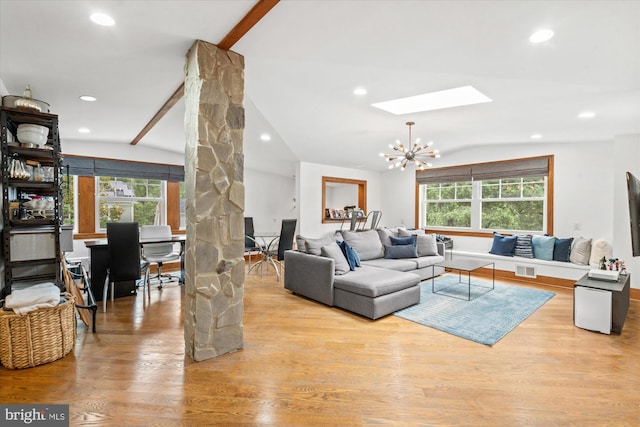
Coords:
38,337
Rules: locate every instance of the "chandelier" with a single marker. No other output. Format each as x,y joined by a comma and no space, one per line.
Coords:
413,153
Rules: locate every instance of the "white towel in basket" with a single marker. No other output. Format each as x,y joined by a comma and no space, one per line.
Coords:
33,297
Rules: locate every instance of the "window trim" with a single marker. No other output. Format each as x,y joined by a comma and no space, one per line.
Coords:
86,212
477,233
162,199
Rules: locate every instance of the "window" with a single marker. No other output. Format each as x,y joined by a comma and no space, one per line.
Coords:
513,204
130,199
106,189
448,204
500,196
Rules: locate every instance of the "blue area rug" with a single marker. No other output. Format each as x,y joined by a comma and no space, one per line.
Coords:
489,316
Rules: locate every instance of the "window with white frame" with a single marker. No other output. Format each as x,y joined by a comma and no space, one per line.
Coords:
130,199
502,196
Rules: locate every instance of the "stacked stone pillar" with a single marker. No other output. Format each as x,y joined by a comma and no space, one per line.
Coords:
214,162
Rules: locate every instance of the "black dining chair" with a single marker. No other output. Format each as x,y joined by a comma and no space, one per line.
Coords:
251,246
123,242
275,255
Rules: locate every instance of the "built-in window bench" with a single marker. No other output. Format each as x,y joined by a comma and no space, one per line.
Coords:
530,269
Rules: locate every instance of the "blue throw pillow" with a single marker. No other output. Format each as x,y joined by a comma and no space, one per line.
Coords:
398,241
503,245
543,247
562,249
348,254
400,251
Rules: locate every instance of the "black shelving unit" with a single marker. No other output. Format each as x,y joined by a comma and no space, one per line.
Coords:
31,242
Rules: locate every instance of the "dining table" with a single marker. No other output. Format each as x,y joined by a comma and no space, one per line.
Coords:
264,240
99,256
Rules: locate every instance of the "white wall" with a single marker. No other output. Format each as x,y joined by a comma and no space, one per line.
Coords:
309,193
626,154
269,199
398,206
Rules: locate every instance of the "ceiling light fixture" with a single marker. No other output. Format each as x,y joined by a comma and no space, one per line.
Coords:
88,98
536,136
360,91
587,115
456,97
541,36
413,153
84,130
102,19
265,137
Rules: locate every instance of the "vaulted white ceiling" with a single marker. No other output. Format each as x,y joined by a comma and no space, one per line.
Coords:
305,58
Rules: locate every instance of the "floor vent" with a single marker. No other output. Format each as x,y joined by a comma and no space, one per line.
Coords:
526,271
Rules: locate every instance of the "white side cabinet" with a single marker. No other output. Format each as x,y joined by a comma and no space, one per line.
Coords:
601,306
593,309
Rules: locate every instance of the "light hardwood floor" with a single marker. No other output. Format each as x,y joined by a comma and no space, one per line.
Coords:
305,364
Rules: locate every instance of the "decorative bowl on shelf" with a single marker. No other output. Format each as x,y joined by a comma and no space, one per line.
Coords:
33,134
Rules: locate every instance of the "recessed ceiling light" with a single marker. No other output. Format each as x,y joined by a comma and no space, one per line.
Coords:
88,98
541,36
265,137
102,19
587,115
466,95
84,130
536,136
359,91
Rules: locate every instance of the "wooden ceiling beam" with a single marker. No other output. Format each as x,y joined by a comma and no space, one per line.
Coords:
257,12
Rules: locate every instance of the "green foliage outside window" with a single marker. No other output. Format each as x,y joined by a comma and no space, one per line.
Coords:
453,214
521,215
130,199
68,207
449,204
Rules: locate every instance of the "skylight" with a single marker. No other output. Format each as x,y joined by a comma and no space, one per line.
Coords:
456,97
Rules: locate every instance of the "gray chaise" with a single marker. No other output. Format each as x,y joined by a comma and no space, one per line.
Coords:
378,288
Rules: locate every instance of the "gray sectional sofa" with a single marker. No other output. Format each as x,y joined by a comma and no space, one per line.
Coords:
384,283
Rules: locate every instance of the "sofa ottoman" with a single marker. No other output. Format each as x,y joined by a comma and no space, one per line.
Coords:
375,292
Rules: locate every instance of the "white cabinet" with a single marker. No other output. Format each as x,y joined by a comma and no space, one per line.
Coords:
601,306
593,309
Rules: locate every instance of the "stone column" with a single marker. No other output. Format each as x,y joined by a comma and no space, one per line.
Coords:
214,162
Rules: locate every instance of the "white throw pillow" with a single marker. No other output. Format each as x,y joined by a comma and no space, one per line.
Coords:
600,248
581,251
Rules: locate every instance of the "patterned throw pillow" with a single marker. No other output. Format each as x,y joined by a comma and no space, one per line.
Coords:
523,246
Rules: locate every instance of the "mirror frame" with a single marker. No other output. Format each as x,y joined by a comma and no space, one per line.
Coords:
362,194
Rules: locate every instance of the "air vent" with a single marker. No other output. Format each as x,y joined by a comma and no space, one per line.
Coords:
526,271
